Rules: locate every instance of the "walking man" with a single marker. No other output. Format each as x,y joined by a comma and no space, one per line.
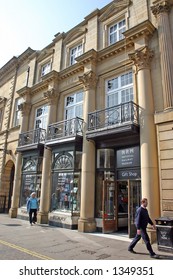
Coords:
142,220
32,207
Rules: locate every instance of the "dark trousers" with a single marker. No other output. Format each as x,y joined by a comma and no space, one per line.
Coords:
32,219
146,239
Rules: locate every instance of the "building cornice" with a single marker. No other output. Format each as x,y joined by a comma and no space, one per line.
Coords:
70,71
143,29
24,91
117,48
87,57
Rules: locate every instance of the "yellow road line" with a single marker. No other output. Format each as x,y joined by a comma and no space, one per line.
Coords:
24,250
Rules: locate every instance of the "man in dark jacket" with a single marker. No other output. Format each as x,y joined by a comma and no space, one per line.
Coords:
142,220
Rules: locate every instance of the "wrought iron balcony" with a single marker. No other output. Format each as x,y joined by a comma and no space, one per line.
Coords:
113,119
32,137
65,129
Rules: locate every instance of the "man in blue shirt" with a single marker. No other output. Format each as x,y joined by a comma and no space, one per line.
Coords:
142,220
32,207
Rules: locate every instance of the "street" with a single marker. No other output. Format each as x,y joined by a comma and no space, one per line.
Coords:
20,241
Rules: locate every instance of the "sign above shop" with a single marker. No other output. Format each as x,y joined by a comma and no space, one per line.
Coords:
129,174
128,157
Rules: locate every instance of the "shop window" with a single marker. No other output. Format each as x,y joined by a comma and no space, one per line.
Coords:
31,178
66,192
100,177
66,182
30,183
105,158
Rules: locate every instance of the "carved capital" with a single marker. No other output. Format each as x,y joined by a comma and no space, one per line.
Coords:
24,108
89,80
141,58
160,7
50,95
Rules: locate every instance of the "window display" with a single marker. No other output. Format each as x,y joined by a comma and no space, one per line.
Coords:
66,192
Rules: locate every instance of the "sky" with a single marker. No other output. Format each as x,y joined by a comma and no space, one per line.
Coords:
33,23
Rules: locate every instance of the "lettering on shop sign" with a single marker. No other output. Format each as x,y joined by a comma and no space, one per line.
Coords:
129,174
56,218
128,157
167,206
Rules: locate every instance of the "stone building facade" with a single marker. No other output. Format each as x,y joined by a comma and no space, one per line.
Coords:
87,121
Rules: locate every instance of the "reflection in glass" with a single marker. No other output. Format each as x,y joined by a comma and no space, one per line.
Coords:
66,192
100,177
30,183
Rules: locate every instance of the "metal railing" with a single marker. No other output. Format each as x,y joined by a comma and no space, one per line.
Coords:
115,115
66,128
32,137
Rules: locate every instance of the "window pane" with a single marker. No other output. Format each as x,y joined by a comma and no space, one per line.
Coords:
105,158
115,31
45,69
75,52
66,192
74,106
41,117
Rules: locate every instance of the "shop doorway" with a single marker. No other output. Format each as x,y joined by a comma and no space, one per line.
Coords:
109,207
119,204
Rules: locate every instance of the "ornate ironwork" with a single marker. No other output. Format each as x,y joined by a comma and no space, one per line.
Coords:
114,116
66,128
32,137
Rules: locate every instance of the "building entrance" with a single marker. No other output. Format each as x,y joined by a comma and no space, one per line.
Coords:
119,204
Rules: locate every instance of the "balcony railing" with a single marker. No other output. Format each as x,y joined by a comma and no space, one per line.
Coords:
32,137
114,116
64,129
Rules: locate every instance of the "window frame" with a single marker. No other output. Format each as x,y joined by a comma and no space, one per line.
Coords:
123,14
17,112
48,63
120,36
44,126
119,90
74,105
76,53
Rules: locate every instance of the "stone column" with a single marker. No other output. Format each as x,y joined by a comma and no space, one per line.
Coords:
52,96
25,110
148,142
86,222
161,11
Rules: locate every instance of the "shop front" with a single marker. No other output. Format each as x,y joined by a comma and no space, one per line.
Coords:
66,186
118,189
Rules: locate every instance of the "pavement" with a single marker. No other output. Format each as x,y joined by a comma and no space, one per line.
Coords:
21,241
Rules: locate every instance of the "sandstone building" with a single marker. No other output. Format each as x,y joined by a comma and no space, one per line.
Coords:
87,122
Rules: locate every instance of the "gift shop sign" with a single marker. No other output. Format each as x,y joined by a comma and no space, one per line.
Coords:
128,157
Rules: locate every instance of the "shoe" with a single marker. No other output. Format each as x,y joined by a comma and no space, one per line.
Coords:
154,256
31,224
132,251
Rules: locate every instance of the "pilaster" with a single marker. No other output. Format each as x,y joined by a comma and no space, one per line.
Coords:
148,144
161,11
51,95
86,221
